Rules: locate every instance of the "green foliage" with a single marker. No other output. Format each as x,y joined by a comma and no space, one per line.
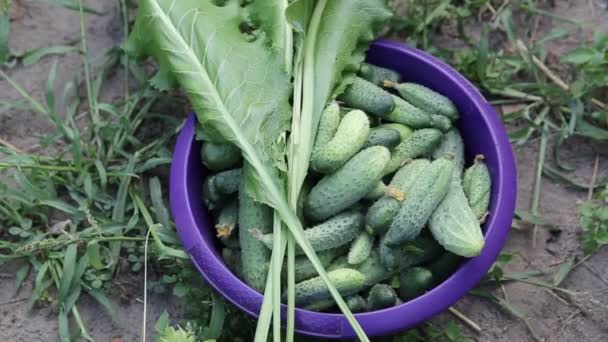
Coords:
447,332
594,221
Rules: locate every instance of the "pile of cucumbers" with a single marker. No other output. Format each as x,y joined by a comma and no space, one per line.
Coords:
390,206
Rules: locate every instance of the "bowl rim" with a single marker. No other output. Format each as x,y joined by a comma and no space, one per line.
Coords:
188,218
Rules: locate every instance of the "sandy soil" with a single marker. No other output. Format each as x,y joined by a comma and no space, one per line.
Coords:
583,318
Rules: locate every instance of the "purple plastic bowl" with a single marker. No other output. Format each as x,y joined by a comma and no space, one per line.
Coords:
483,133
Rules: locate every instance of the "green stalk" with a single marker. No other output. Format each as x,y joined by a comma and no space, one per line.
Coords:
87,73
277,264
538,180
261,331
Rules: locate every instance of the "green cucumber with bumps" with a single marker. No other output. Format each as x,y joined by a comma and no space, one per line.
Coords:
477,186
232,259
421,143
414,282
370,98
387,137
455,226
254,217
424,196
442,123
377,75
347,282
376,192
453,223
360,249
217,188
403,130
347,141
356,303
380,215
414,117
348,185
335,232
328,126
408,254
227,221
220,156
452,144
425,98
381,296
304,268
444,266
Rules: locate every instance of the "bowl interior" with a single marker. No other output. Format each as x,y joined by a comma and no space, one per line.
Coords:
482,132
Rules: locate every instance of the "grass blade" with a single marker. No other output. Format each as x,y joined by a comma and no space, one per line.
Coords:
156,195
218,314
68,271
101,298
63,327
34,56
563,271
75,6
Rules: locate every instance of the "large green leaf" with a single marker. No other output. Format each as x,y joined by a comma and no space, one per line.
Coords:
237,87
337,35
232,82
269,15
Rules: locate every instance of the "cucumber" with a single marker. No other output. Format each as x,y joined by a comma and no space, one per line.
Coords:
347,282
348,140
477,186
338,263
453,223
420,143
348,185
440,122
356,304
254,217
423,97
452,144
381,296
409,254
376,192
232,259
360,248
218,188
403,130
387,137
380,215
372,268
455,226
370,98
304,268
444,266
335,232
227,221
414,282
321,305
220,157
377,75
328,126
413,117
424,196
306,187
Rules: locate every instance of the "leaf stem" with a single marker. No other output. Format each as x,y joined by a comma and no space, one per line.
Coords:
538,180
466,320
